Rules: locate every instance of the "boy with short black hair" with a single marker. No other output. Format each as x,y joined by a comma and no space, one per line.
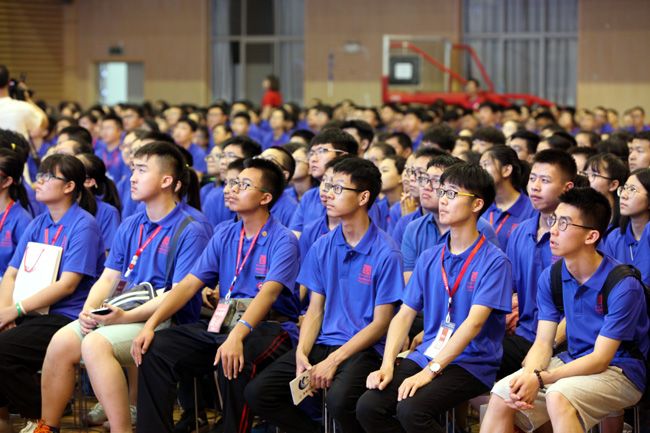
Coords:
486,137
354,273
183,136
254,258
461,348
108,148
597,375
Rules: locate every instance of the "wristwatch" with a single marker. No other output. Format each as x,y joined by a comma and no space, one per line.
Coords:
435,368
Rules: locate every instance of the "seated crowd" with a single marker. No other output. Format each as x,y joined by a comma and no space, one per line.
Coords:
411,259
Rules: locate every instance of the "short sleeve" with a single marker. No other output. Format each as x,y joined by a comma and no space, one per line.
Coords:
389,281
206,268
625,304
409,248
285,261
190,248
310,274
545,305
81,252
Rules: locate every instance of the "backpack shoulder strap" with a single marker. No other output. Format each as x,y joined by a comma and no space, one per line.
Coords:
173,246
556,285
614,277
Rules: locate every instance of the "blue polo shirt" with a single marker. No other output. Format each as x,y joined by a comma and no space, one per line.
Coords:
269,141
383,209
400,227
627,318
108,218
116,169
123,189
529,258
642,255
215,208
291,192
83,252
17,221
485,282
198,156
283,209
205,190
623,247
312,232
34,207
394,216
198,215
520,211
423,233
31,164
417,141
309,209
152,263
353,280
275,257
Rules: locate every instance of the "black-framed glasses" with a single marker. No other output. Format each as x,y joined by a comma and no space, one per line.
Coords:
451,194
323,150
425,180
592,176
243,186
338,189
563,223
629,190
46,177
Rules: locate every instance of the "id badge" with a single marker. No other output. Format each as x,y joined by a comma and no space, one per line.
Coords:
220,314
442,338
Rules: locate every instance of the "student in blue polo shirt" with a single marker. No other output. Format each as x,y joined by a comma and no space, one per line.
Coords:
106,196
212,160
158,169
553,172
391,169
13,204
263,255
183,135
286,205
109,147
421,159
634,196
406,204
277,135
354,274
188,197
302,180
233,148
511,206
324,147
460,353
24,338
597,374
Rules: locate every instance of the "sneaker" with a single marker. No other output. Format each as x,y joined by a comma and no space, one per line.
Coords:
134,418
30,427
96,416
187,423
42,428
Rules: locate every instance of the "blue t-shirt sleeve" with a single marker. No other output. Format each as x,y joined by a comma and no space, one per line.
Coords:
206,268
285,261
413,293
109,225
625,304
297,220
492,287
389,281
310,273
545,305
117,255
511,252
409,248
22,244
190,248
486,229
80,254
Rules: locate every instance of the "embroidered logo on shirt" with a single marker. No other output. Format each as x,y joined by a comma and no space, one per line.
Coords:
599,304
472,282
164,246
260,266
365,277
555,259
6,241
512,227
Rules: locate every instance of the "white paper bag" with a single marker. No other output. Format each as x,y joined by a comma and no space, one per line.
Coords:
38,269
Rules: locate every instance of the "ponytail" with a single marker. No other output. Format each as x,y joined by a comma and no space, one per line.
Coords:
11,166
190,188
104,187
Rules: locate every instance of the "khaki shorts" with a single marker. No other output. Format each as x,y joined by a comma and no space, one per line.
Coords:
594,396
119,336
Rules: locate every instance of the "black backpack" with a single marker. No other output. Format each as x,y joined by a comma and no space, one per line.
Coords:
613,278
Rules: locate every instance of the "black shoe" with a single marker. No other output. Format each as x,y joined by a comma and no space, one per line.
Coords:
187,423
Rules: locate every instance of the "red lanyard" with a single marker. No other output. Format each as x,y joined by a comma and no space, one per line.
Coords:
134,260
56,235
115,158
239,268
4,217
502,222
460,276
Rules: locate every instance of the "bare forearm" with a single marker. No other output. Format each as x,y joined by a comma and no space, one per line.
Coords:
7,287
458,342
361,341
309,331
538,357
49,295
146,310
397,333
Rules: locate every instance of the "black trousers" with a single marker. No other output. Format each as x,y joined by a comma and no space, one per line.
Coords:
188,351
377,410
22,351
269,394
515,349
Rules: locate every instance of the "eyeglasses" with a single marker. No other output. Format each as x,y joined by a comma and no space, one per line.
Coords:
424,181
322,150
630,190
451,194
301,161
592,176
229,155
338,189
46,177
243,186
211,158
563,223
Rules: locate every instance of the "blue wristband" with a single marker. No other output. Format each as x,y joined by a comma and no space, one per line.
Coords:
243,322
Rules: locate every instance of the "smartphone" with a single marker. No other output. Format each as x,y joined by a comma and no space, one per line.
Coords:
101,311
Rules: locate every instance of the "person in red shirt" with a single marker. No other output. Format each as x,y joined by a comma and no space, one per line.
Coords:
272,98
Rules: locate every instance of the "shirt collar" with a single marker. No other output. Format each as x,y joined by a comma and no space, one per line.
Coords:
364,246
169,220
629,236
67,218
518,206
267,228
465,254
597,280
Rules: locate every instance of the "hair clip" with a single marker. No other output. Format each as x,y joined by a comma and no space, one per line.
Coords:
13,146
